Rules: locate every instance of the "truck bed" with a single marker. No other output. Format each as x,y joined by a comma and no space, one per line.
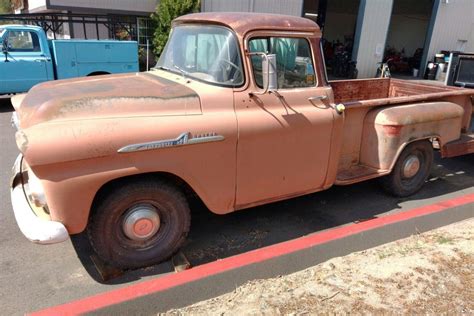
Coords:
368,93
385,91
360,96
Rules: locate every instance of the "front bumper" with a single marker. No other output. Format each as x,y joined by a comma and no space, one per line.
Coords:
34,228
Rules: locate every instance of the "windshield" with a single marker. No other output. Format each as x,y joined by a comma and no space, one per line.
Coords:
1,32
207,53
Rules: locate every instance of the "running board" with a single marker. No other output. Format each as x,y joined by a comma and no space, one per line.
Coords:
358,173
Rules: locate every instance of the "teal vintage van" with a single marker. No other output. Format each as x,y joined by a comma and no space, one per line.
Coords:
29,58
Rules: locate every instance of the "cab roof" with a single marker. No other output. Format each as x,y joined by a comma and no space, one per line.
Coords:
242,23
20,26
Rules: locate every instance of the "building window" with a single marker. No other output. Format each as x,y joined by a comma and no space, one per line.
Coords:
145,31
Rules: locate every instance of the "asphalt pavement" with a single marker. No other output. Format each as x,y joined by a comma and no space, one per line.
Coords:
33,277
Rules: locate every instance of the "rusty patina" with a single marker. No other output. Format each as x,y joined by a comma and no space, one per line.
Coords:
243,23
116,95
247,149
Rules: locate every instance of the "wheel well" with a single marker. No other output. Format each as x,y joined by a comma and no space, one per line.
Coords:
431,139
98,73
167,177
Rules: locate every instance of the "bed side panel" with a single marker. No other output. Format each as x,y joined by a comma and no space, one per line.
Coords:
388,130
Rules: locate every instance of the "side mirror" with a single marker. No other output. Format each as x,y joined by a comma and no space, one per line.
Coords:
5,49
269,72
4,46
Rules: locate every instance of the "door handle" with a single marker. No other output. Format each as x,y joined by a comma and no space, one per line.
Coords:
318,98
40,60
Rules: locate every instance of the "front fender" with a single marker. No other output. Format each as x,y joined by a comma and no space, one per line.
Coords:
388,130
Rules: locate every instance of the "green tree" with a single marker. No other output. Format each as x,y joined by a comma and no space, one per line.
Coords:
5,6
166,11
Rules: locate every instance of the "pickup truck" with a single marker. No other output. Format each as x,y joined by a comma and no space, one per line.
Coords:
30,58
238,111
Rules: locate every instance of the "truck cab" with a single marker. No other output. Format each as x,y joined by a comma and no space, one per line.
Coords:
29,58
26,59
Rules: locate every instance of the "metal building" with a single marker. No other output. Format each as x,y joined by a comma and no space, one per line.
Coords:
371,31
88,19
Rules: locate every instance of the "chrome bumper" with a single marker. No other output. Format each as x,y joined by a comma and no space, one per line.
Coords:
34,228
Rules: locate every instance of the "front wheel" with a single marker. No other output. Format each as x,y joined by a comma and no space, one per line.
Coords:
411,170
139,224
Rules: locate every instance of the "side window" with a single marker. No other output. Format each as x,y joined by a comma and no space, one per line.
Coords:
23,41
294,63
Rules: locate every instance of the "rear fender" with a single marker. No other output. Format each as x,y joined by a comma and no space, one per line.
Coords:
388,130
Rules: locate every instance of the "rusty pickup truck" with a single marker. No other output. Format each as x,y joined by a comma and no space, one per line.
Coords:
238,112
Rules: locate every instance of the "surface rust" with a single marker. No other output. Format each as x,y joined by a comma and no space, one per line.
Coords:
75,128
114,95
463,146
243,23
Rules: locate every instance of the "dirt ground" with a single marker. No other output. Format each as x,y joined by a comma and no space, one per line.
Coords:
429,273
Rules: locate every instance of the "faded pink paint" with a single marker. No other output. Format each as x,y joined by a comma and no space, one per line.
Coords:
273,148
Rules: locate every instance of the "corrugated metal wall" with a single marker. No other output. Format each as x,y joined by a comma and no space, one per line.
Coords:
371,35
454,25
289,7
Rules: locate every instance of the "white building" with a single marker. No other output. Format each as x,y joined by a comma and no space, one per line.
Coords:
369,27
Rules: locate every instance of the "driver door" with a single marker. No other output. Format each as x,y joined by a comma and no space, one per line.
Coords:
25,64
284,140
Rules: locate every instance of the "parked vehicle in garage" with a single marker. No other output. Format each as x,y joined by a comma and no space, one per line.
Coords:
460,71
238,112
30,58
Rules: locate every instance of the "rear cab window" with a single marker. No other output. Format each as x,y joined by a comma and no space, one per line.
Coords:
295,66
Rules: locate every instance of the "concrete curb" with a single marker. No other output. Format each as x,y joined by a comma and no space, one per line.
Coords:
222,276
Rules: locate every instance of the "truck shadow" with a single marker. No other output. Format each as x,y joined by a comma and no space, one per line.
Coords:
214,237
5,105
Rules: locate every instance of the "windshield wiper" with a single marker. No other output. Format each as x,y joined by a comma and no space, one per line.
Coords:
181,70
161,67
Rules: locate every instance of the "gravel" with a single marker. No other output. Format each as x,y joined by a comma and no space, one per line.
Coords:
429,273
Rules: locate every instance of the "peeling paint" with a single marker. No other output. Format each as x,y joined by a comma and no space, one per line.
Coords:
114,96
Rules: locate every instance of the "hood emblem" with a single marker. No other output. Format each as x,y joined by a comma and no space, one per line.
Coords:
181,140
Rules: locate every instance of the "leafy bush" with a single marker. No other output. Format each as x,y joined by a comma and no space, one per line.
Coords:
5,6
167,11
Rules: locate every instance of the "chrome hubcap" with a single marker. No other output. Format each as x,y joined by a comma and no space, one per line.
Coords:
141,222
411,166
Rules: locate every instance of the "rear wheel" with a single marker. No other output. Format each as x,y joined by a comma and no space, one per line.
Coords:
139,224
411,170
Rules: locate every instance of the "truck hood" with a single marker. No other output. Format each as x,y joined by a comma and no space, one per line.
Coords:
140,94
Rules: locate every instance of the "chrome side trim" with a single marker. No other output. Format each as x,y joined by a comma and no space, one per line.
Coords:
181,140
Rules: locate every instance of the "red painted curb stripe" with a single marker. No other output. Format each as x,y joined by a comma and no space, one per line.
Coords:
152,286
